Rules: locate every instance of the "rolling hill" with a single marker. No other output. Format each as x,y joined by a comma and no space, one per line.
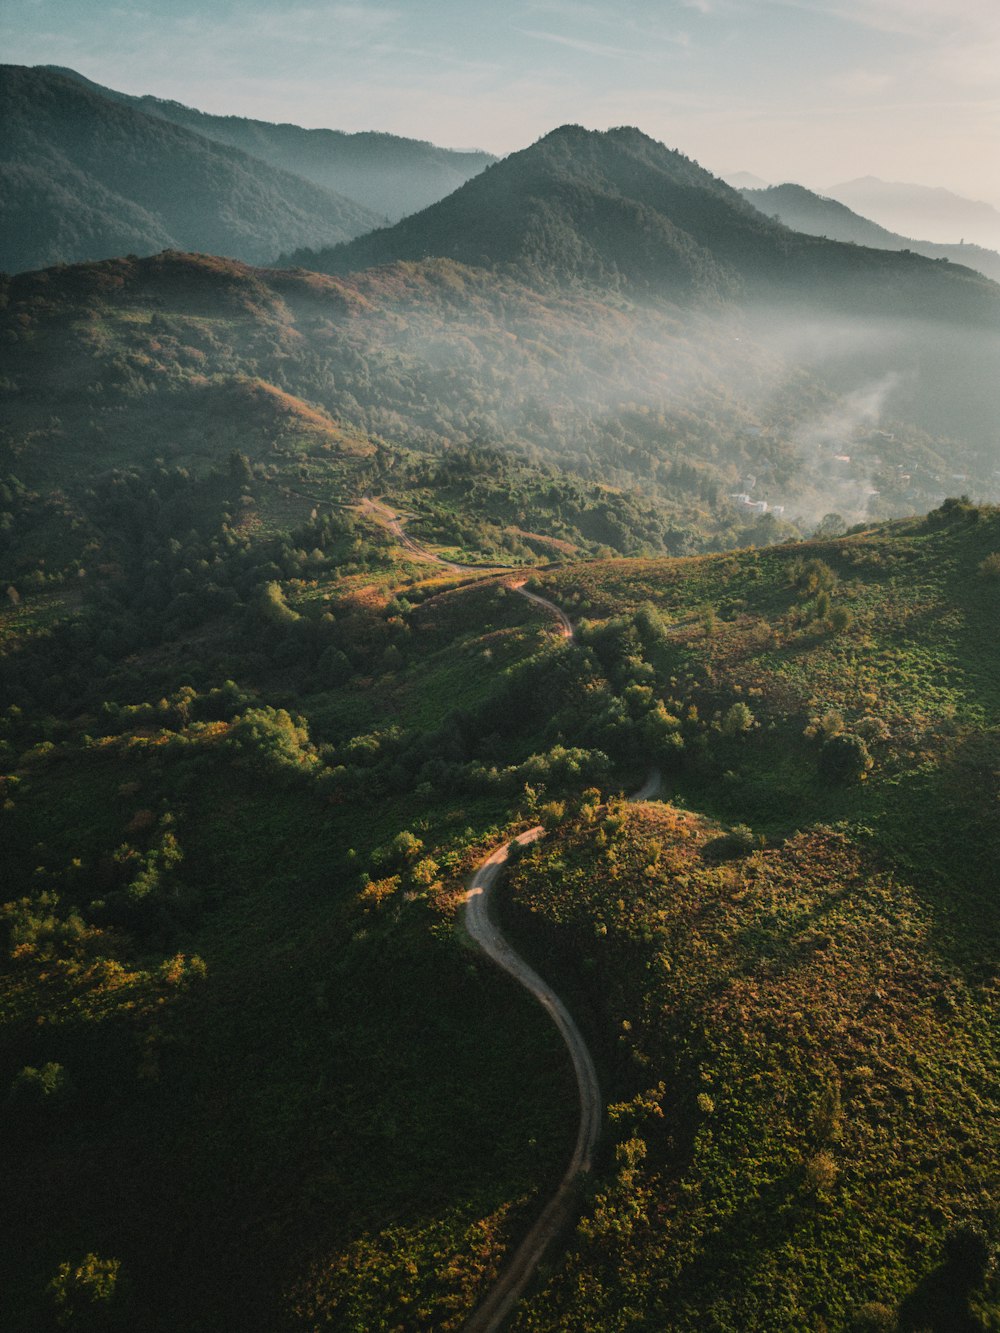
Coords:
248,759
87,178
127,359
389,175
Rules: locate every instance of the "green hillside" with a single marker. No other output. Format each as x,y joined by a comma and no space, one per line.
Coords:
286,562
618,207
85,177
261,1037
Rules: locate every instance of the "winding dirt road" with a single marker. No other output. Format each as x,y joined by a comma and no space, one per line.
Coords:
507,1290
564,620
392,522
481,927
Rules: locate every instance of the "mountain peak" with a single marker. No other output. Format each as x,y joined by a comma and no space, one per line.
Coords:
617,209
613,206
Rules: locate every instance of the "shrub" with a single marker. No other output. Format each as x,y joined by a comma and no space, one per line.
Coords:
873,1317
821,1172
824,728
82,1293
739,841
872,728
552,813
736,720
46,1086
967,1254
990,567
809,577
844,758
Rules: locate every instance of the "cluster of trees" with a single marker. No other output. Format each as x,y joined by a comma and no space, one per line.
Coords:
165,553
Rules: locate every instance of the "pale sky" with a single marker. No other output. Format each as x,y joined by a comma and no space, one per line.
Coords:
816,91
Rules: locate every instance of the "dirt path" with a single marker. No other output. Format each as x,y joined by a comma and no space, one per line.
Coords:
391,521
512,1281
560,615
507,1290
510,1286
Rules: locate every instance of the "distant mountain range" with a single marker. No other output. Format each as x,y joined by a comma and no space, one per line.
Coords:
921,210
619,208
744,180
389,175
805,211
84,177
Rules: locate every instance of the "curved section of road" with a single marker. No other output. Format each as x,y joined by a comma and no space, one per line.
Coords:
511,1283
508,1289
510,1286
392,522
565,624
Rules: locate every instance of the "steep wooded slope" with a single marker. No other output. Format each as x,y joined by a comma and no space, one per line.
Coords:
87,178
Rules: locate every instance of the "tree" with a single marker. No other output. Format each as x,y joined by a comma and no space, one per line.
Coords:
736,720
809,577
845,758
831,525
240,470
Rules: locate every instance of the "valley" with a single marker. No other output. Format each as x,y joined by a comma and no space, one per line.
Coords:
343,601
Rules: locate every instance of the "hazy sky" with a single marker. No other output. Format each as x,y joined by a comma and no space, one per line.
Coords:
817,91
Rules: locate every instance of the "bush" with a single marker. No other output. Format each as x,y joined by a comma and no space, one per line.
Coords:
821,1172
551,814
809,577
824,728
873,1317
736,720
47,1086
967,1254
990,567
739,841
84,1293
844,758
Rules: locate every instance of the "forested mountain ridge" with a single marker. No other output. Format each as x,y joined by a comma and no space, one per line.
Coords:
85,178
617,207
803,210
385,173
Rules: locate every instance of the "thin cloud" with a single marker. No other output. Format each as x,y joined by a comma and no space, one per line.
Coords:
581,44
906,18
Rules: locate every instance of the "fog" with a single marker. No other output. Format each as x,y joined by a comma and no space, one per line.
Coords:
860,417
